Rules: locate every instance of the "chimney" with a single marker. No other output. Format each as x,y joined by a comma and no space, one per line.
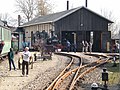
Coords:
86,3
19,18
67,5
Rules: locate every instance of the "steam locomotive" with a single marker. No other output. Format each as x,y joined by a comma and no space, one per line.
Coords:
42,38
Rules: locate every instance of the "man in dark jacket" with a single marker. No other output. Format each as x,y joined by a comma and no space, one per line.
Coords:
10,58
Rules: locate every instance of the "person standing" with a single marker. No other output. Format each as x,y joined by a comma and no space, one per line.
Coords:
73,47
90,47
68,46
86,46
83,46
117,47
26,58
1,46
10,58
114,48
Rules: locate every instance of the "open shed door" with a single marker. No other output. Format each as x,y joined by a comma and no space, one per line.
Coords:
105,41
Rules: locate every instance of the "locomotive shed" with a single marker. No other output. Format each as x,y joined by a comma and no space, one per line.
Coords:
44,73
75,25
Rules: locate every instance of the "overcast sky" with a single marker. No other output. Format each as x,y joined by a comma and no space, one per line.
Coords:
8,6
94,5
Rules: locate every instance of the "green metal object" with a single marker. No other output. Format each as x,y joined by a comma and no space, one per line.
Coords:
5,35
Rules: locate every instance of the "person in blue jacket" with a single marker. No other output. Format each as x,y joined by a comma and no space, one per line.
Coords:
10,58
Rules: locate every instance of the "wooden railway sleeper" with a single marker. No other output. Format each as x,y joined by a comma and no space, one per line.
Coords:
63,77
76,75
61,74
67,74
89,70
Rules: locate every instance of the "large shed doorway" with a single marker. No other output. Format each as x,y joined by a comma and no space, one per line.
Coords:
76,38
98,39
70,36
83,36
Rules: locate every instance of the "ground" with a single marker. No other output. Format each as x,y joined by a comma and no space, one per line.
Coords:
42,74
12,80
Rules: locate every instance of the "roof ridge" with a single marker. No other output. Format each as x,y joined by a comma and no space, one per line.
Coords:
57,16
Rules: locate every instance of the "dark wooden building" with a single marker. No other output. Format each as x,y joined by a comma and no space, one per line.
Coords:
76,25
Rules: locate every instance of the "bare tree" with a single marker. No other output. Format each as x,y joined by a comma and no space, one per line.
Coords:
8,19
44,7
27,7
114,27
32,8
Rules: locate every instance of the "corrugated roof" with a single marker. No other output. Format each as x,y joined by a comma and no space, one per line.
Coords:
56,16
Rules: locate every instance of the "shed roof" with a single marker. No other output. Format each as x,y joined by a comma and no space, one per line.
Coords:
57,16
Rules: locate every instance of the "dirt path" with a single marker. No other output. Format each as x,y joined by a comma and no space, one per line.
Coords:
43,72
12,80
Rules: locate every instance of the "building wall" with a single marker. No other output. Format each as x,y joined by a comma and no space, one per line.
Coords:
47,27
81,20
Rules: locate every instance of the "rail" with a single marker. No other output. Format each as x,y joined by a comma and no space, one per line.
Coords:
64,74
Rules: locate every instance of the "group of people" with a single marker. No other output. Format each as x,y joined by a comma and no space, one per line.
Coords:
86,46
70,46
25,56
25,44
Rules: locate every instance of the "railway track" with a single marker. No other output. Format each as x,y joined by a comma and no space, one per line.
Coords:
68,78
74,60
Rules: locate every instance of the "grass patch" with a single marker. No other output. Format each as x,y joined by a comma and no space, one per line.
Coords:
113,72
